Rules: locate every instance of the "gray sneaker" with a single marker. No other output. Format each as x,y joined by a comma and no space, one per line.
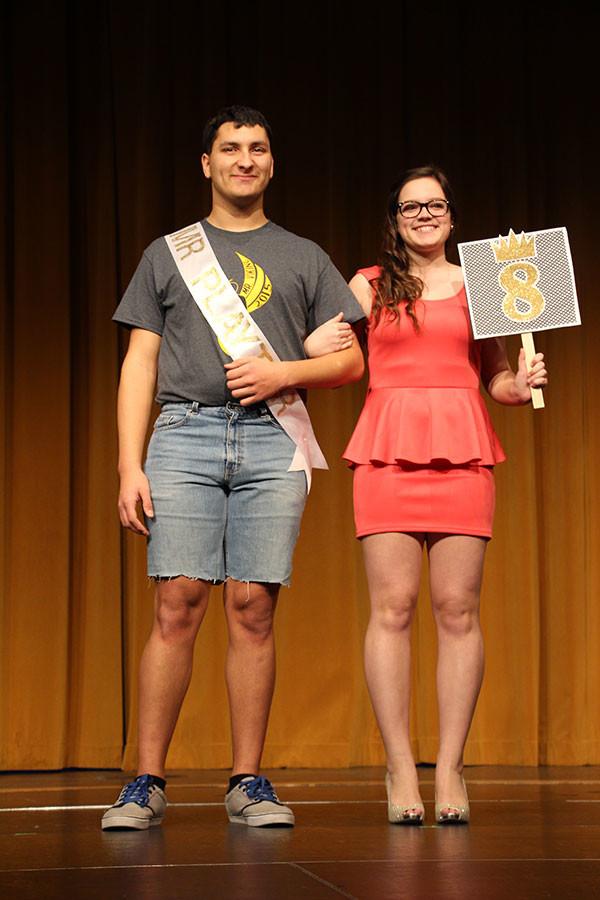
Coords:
140,804
254,802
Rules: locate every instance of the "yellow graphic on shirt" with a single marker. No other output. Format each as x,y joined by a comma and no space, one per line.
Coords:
257,287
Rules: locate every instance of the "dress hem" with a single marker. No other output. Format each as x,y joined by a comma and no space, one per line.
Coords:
437,463
423,529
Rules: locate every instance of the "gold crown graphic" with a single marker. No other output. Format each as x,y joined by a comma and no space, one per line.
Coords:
513,247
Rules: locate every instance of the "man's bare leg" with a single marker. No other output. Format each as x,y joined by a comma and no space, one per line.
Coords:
166,666
250,668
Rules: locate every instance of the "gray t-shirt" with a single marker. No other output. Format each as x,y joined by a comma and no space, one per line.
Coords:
289,285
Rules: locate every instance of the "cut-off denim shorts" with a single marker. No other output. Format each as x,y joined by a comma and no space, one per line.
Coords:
225,505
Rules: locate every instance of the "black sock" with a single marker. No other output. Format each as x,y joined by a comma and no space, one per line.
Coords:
235,779
159,782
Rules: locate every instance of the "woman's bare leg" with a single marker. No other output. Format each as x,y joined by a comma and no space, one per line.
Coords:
393,565
456,568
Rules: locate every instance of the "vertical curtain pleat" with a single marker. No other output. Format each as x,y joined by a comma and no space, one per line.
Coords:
38,446
95,714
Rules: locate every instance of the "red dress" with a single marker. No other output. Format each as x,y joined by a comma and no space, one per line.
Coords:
424,446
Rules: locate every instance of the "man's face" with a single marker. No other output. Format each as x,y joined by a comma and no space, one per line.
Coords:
239,165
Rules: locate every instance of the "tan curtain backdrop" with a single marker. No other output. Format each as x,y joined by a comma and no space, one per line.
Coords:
103,112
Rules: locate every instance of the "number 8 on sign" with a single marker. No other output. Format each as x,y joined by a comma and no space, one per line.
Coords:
520,285
521,289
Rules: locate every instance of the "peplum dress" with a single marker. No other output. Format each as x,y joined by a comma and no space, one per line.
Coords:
424,447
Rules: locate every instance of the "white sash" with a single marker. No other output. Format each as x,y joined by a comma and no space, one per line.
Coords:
240,336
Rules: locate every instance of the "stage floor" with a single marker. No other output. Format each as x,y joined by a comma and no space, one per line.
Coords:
535,832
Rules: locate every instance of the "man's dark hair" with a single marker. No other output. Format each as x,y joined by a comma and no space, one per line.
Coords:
239,115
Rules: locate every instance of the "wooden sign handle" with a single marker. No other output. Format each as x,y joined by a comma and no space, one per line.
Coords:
537,395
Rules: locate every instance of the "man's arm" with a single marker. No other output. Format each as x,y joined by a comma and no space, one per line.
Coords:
136,393
251,379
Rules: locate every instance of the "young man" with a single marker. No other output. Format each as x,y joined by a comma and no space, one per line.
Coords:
226,472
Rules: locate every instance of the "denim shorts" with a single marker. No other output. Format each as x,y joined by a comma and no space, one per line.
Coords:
225,505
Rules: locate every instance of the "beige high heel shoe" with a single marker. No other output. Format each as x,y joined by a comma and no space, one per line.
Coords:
402,815
453,815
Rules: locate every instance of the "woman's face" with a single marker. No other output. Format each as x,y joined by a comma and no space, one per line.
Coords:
425,233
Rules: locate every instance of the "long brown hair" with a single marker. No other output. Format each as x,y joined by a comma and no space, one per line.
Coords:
396,287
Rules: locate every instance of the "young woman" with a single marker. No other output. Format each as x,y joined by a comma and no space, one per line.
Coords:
423,454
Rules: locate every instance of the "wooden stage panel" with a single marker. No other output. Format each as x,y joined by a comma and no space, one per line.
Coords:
253,882
534,833
489,880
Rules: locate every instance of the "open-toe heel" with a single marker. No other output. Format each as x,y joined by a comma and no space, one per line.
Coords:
402,815
446,814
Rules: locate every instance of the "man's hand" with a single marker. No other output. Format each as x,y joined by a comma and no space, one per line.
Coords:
252,379
134,488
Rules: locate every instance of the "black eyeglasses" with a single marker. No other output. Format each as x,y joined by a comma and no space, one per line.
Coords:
410,209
